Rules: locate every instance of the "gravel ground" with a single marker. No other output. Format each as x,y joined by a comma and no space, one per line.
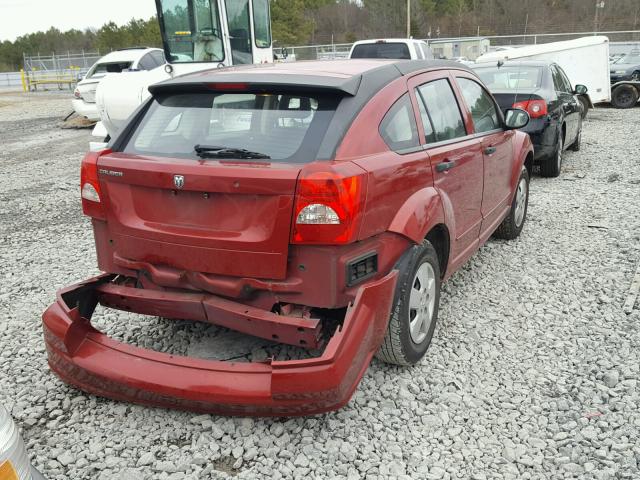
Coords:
533,372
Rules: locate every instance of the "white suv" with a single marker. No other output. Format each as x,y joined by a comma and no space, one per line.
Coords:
131,59
403,48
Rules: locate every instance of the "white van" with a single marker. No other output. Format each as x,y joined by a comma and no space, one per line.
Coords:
404,48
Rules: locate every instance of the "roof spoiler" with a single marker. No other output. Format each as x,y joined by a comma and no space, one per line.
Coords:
238,82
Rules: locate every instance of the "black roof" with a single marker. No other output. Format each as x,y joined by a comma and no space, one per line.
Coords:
346,76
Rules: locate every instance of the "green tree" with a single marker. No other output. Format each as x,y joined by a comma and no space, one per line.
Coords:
289,24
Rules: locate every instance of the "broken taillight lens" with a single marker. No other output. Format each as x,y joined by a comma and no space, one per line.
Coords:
90,186
329,204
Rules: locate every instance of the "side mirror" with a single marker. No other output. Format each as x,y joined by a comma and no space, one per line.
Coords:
580,89
515,118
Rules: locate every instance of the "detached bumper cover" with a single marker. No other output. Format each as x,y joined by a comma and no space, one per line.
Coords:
86,358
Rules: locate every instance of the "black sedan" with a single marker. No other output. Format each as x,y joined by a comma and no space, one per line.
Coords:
626,68
544,91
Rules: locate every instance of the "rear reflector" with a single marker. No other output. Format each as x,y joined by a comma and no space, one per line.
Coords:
362,268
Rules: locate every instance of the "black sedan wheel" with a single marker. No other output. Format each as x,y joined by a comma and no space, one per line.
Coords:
575,146
624,96
550,167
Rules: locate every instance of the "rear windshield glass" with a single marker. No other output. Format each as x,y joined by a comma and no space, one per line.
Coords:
511,78
381,50
284,127
101,69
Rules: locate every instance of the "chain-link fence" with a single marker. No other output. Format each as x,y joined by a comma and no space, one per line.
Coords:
471,47
56,70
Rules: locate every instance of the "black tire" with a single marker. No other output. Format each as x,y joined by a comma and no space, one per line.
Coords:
585,107
398,346
624,96
551,166
575,146
511,226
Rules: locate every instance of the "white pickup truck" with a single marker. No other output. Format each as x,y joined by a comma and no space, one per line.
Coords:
405,48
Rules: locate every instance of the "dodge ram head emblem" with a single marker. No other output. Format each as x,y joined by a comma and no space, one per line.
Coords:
178,181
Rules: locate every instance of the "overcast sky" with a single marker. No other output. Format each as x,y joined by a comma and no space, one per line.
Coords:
18,17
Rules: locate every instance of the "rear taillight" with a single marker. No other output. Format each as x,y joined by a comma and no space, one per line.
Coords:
90,186
328,206
535,108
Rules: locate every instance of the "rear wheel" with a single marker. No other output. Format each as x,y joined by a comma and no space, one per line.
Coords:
624,96
415,308
511,226
550,167
575,146
585,107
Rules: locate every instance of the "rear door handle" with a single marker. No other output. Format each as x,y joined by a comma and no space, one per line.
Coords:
490,150
444,166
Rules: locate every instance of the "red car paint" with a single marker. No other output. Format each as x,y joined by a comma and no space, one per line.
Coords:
226,249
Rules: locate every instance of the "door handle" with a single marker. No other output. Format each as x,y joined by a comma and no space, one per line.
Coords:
490,150
444,166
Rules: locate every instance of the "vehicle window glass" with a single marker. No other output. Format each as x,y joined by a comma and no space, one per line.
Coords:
483,109
239,31
419,54
425,50
558,82
443,109
158,57
262,23
286,127
510,77
429,134
381,50
192,31
101,69
147,63
565,80
398,127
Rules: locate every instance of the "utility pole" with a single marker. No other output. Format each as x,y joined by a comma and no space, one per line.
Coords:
408,18
599,5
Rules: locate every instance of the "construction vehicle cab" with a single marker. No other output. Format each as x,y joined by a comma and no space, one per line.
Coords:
196,35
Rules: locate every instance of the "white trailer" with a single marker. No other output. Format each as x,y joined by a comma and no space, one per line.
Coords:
585,60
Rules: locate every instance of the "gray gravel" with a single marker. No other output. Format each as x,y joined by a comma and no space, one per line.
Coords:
533,372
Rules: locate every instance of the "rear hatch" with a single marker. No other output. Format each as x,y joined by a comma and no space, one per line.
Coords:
200,216
206,181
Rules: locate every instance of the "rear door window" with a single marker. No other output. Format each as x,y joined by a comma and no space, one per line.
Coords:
285,127
442,107
398,127
484,111
147,62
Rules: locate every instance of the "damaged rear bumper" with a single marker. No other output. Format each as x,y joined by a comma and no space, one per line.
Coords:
86,358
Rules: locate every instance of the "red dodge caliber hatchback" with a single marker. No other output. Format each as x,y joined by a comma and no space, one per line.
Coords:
317,204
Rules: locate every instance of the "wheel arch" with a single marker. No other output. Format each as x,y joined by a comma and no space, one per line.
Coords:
441,241
426,215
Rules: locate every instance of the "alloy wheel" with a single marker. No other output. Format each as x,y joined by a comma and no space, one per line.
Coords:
422,302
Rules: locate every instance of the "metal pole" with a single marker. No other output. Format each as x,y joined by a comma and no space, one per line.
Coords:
408,18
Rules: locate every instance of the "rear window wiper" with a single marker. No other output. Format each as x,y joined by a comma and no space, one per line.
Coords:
215,151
